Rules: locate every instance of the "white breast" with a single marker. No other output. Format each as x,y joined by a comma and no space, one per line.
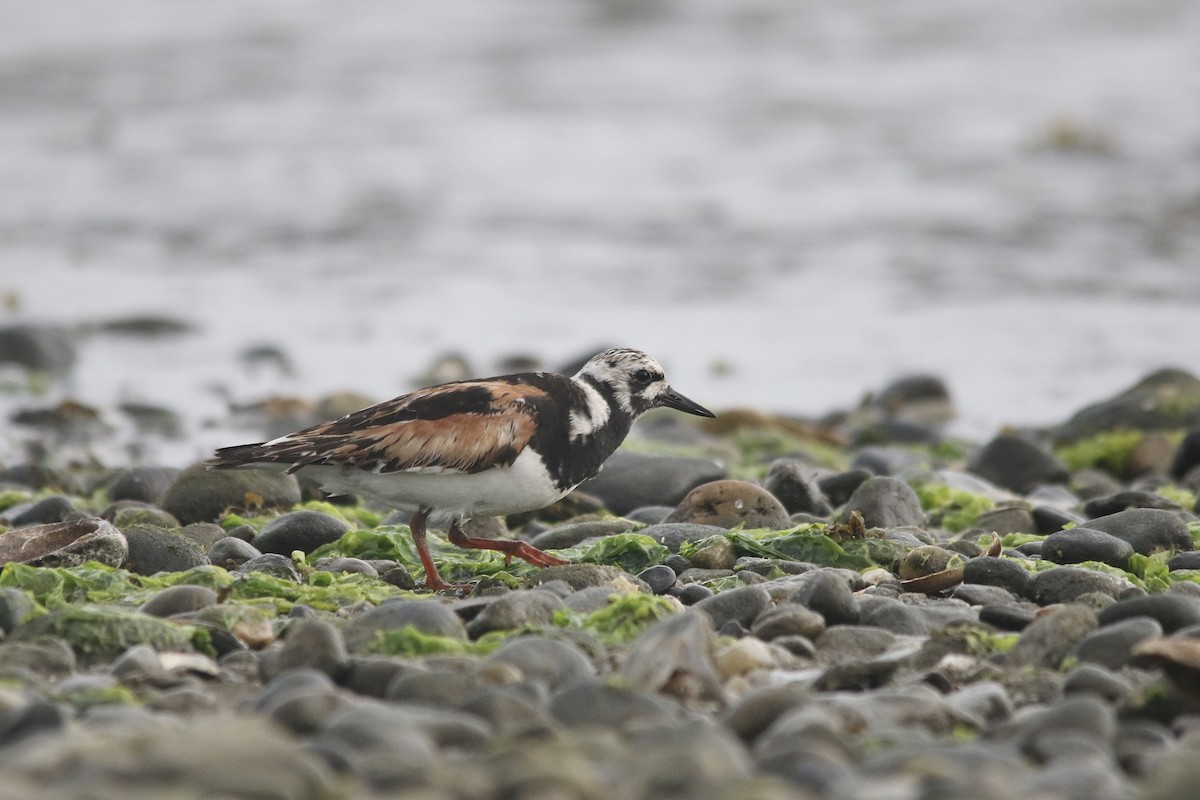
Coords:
525,486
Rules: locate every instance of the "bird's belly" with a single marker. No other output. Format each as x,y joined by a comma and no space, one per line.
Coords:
524,486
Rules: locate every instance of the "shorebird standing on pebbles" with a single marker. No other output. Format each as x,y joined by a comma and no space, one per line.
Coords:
476,448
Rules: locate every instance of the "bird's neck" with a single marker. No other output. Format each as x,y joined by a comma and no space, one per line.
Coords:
596,426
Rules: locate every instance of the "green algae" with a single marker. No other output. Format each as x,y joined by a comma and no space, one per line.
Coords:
1108,450
951,508
411,642
12,497
810,542
632,552
103,633
325,591
623,619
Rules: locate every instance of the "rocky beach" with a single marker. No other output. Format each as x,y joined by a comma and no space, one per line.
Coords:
759,606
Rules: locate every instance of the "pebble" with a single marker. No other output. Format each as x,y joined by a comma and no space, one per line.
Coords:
427,616
563,536
730,503
153,549
1148,530
1172,610
179,600
1007,519
673,534
840,486
314,644
594,703
1007,573
631,480
1018,464
794,484
1064,584
1111,646
533,607
886,502
1051,638
788,620
15,608
54,508
741,605
549,662
202,495
659,578
1007,617
1127,499
1096,681
303,530
273,564
1076,545
146,484
828,594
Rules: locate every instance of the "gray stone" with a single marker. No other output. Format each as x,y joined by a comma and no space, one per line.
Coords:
1148,530
673,534
742,605
15,608
659,578
153,549
507,612
788,620
573,533
630,480
231,552
1051,638
54,508
1172,610
794,484
1076,545
272,564
886,502
1112,645
827,593
303,530
550,662
427,616
1064,584
1166,400
730,503
1095,680
179,600
145,484
1018,464
1006,573
202,495
592,703
582,576
315,644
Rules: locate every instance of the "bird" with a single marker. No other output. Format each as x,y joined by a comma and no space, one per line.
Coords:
475,448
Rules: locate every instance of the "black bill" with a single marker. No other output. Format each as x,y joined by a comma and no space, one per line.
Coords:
673,399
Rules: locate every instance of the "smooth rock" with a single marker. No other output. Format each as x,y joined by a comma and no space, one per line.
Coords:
153,549
659,578
231,552
179,600
145,484
828,594
593,703
840,486
794,484
673,534
54,508
1006,573
886,502
1007,519
303,530
550,662
1064,584
630,480
272,564
788,620
1076,545
201,495
1007,616
1172,610
573,533
347,564
1111,646
530,607
1018,464
1148,530
427,616
1051,638
742,605
1165,400
314,644
730,503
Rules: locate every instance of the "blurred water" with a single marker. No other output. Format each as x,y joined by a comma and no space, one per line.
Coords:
821,196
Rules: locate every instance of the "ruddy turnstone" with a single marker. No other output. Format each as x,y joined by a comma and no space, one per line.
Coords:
476,448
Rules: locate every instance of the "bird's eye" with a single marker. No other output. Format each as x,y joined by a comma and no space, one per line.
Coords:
643,376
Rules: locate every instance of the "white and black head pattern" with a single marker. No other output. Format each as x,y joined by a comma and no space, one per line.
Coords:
632,378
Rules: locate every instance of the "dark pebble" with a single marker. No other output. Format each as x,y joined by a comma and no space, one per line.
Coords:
693,593
1095,680
631,480
437,688
1018,464
828,594
15,608
303,530
231,552
371,675
840,486
1076,722
510,710
573,533
673,534
201,495
1050,638
886,502
1076,545
348,564
649,515
1172,610
36,717
979,594
1148,530
272,564
1187,455
1007,617
794,484
600,704
887,460
659,578
1007,519
550,662
1188,560
1064,584
1112,645
205,534
741,605
1006,573
1049,519
508,612
178,600
427,616
315,644
145,484
54,508
788,620
153,549
1127,499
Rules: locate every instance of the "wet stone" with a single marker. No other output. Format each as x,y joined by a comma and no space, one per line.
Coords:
272,564
1018,464
1077,545
1127,499
315,644
673,534
573,533
153,549
693,593
829,595
1111,646
852,641
531,607
631,480
509,710
788,620
231,552
427,616
15,608
146,484
1064,584
54,508
1007,617
553,663
886,502
649,515
1006,573
978,594
179,600
794,484
1147,530
730,503
583,576
1172,610
1050,519
1096,681
742,605
1051,638
592,703
659,578
201,495
1007,519
355,566
303,530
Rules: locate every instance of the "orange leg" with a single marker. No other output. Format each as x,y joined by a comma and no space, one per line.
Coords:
510,548
433,581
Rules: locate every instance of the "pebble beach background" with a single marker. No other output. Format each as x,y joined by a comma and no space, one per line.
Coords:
928,260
